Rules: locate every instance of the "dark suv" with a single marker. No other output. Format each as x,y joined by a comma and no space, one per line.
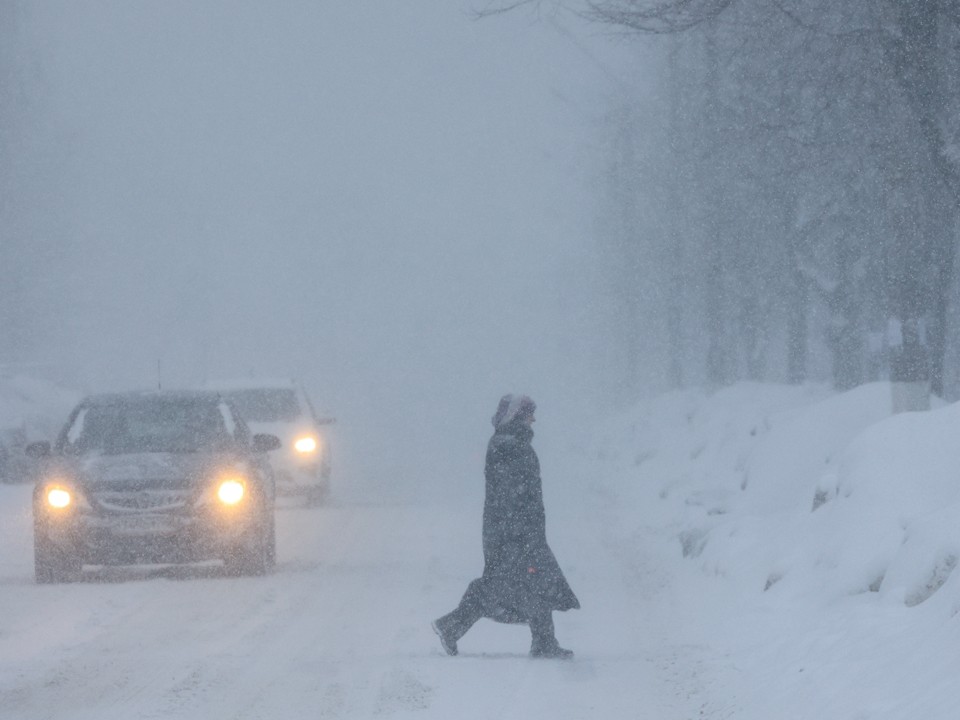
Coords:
161,477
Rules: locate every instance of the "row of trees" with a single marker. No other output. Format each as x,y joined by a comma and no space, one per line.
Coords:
798,198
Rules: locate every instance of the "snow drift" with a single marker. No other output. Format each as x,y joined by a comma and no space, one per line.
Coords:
824,532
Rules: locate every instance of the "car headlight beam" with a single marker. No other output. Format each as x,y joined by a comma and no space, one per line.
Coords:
305,444
231,492
59,497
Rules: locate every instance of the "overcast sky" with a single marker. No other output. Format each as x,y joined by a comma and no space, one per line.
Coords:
390,201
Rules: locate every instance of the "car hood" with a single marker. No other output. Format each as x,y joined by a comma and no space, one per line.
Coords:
150,470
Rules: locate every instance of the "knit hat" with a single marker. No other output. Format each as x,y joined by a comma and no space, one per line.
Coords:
511,407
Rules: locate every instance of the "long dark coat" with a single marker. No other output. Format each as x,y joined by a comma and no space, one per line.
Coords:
521,578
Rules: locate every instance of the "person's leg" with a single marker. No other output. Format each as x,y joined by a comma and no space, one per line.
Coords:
542,632
543,641
453,626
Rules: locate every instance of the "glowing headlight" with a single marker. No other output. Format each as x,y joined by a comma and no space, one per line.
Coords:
305,445
230,492
58,497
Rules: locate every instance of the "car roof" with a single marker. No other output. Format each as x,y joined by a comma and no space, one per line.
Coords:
123,398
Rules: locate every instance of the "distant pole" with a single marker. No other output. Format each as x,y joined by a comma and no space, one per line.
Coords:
159,376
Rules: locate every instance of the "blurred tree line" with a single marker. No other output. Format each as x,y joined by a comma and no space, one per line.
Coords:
792,210
33,236
9,282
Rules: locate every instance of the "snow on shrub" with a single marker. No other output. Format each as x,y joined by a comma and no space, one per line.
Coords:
900,481
766,449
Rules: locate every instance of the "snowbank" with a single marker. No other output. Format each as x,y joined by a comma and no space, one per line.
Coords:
30,409
32,402
827,531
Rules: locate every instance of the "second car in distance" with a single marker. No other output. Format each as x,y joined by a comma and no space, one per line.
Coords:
282,408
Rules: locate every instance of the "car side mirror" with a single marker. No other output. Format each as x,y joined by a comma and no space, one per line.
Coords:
37,450
263,443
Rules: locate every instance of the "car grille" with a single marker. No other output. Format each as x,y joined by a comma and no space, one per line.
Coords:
142,500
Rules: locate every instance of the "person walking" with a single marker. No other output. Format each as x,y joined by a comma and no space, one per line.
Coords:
522,581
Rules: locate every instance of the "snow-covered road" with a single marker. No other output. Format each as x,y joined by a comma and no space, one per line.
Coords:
776,612
341,629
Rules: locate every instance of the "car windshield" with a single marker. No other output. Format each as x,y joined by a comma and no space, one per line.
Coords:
149,425
265,404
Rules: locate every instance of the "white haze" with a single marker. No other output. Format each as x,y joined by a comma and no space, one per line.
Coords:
389,201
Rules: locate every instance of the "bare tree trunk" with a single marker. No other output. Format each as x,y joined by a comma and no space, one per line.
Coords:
939,326
677,259
928,262
718,356
719,371
796,298
796,327
847,335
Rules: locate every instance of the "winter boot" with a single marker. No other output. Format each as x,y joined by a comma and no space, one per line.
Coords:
544,643
446,639
552,650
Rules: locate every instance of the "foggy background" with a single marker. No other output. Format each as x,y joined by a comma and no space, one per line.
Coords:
412,213
391,202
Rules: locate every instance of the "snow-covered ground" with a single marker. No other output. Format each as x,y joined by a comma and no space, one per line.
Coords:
818,534
30,410
711,587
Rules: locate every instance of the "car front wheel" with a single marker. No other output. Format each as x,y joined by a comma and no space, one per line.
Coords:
256,554
317,494
53,564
